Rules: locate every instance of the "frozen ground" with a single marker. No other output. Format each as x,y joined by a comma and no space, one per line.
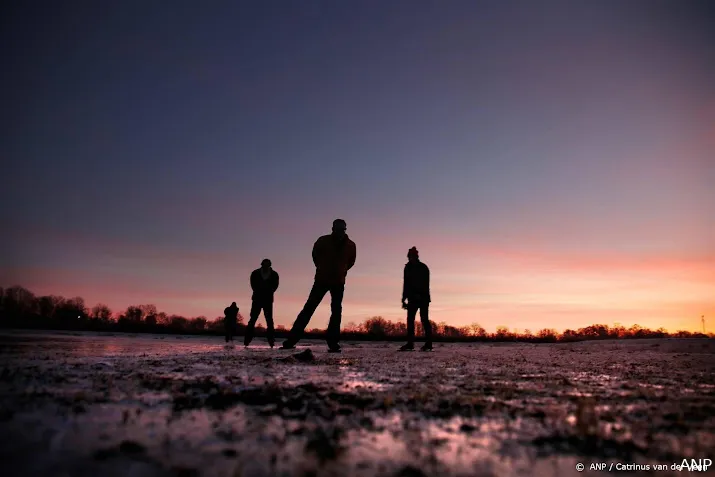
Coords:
148,405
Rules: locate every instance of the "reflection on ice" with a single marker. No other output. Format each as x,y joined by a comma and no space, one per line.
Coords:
465,447
356,381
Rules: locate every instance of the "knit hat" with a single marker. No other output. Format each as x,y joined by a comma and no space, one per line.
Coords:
413,252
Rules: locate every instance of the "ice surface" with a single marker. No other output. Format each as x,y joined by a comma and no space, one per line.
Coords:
98,404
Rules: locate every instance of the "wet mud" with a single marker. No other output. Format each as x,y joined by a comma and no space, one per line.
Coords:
83,404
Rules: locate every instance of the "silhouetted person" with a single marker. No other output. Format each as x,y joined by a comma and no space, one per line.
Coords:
415,290
333,256
230,319
264,283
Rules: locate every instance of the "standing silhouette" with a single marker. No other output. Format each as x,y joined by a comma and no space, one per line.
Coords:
264,283
333,256
416,291
230,319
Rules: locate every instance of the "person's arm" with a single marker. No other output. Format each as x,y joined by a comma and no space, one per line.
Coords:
316,252
275,284
429,295
254,285
353,255
404,286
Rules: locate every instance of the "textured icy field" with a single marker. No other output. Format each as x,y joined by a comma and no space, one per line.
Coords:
146,405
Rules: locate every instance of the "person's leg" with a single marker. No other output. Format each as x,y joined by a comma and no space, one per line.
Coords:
424,316
251,326
227,329
336,314
268,313
411,314
316,296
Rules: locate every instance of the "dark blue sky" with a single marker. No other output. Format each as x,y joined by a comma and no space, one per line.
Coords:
157,152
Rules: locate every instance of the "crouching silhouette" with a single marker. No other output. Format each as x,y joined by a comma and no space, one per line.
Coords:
230,320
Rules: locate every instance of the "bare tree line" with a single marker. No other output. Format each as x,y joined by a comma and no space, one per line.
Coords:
20,308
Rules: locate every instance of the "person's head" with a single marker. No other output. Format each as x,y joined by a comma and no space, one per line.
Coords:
413,255
266,264
233,305
339,227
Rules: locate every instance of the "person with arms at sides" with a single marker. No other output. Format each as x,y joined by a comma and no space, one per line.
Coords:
416,296
264,283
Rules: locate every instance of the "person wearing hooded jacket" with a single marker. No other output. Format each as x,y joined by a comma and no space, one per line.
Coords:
333,256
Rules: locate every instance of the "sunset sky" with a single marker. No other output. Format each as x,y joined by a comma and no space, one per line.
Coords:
554,162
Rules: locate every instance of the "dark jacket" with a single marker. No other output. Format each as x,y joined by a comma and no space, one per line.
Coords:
415,285
263,290
230,315
333,259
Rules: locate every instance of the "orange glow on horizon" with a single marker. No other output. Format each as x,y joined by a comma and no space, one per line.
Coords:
493,285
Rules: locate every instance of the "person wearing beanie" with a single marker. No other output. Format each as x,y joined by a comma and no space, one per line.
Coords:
333,256
264,283
416,296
